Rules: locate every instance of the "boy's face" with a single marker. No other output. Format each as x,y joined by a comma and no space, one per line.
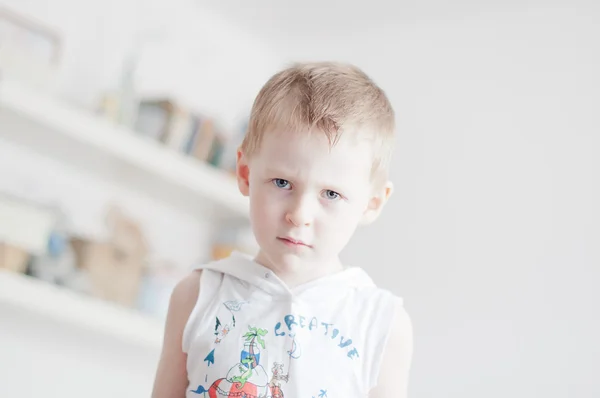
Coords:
306,199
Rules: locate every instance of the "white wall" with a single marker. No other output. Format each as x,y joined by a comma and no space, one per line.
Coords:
493,234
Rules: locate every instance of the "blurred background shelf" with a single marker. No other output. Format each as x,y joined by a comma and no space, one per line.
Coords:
56,129
44,301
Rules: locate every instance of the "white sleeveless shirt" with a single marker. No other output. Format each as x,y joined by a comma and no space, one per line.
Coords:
251,336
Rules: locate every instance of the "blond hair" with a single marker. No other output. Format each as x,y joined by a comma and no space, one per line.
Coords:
332,98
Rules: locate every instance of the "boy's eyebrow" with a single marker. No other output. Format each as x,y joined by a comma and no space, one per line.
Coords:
281,171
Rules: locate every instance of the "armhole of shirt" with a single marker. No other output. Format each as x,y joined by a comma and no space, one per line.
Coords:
390,305
208,285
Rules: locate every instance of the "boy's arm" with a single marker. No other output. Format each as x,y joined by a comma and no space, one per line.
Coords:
397,358
171,377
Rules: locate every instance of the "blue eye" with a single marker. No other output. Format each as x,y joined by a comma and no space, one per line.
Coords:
281,183
331,195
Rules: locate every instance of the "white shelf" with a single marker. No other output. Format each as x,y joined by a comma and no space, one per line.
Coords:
44,300
53,128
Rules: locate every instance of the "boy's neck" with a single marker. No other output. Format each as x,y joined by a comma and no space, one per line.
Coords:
300,273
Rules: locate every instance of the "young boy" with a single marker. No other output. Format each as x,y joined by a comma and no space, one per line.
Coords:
294,321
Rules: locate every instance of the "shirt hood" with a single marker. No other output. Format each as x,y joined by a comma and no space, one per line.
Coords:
244,268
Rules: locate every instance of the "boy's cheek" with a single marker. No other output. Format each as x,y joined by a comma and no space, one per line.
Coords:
264,209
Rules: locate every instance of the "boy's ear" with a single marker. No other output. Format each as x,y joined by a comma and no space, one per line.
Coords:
377,202
242,172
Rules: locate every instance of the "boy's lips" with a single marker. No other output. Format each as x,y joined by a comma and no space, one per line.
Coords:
291,241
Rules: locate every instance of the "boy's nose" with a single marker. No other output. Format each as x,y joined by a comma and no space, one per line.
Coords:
300,214
297,220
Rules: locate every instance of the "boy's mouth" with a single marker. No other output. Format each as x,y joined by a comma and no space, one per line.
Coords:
292,242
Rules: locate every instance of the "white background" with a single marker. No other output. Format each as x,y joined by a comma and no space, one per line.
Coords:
493,234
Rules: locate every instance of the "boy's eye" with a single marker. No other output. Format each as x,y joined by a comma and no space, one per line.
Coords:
281,183
331,195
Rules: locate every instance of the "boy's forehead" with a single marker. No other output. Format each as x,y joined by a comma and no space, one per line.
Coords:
309,144
300,150
292,138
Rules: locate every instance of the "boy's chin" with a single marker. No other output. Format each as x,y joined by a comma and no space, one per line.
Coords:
283,260
293,260
289,261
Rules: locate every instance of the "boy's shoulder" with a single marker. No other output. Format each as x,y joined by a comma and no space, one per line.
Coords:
188,287
187,290
185,293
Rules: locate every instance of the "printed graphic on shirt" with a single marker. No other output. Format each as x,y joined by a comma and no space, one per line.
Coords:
210,358
248,378
222,330
276,380
225,314
321,394
312,324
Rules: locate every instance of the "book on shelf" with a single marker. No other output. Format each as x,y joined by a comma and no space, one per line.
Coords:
181,129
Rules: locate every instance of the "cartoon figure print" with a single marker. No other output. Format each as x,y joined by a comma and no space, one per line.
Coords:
248,378
275,383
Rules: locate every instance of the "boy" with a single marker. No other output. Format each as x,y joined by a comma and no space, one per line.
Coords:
293,321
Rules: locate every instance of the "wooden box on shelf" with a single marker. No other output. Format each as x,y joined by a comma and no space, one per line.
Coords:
13,258
114,267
